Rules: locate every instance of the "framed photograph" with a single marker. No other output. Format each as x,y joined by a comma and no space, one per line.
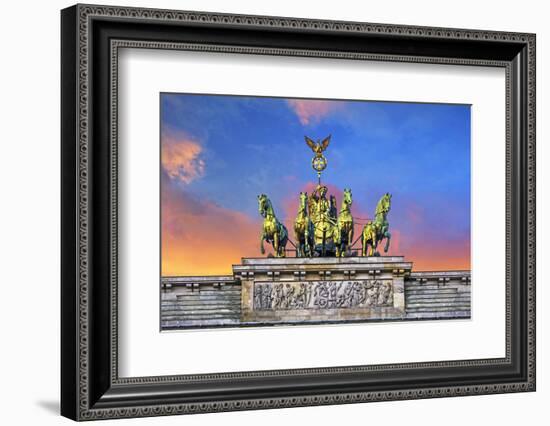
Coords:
263,212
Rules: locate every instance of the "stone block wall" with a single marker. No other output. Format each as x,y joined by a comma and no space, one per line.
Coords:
438,295
286,291
194,302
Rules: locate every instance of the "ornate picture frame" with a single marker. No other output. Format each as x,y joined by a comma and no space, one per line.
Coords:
91,37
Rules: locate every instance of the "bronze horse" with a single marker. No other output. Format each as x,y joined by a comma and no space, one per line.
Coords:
377,230
303,229
273,231
345,225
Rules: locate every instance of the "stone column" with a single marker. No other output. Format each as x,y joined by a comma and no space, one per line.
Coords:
247,295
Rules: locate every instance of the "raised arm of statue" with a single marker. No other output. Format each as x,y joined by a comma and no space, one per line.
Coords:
315,194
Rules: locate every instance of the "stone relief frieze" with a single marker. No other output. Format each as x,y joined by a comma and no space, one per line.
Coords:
322,294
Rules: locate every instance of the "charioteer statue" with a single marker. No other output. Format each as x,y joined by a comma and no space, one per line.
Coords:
325,226
319,229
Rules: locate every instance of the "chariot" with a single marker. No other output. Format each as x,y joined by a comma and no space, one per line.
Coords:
320,230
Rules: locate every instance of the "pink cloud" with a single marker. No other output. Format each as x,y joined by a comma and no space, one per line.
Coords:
310,111
181,158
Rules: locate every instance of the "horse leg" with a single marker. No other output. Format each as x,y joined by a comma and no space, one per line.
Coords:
305,240
262,238
310,240
373,245
307,247
341,244
276,244
376,252
300,237
350,239
388,238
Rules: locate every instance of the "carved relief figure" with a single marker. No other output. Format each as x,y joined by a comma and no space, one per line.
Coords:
322,295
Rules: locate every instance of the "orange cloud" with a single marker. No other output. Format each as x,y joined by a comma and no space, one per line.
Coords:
443,256
181,158
202,238
309,111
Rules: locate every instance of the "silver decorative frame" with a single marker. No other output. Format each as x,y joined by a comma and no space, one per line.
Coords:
88,403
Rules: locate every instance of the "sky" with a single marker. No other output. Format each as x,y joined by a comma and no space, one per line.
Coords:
218,152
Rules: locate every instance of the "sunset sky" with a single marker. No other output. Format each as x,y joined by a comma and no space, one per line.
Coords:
219,152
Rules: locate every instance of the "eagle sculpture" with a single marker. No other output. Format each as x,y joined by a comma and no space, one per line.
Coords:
318,147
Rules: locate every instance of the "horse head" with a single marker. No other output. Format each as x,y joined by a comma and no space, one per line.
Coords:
384,205
347,200
262,204
387,202
303,201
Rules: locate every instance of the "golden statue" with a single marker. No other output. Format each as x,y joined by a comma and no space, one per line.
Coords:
319,205
303,229
325,230
318,162
375,231
319,228
318,147
273,231
345,225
